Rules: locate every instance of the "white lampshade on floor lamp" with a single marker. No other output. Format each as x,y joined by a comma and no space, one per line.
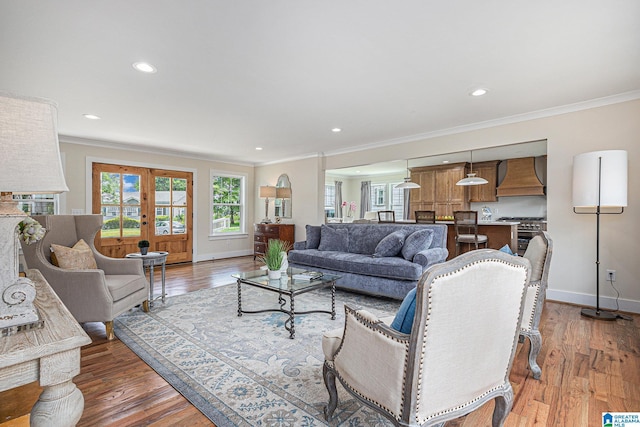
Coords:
599,181
29,164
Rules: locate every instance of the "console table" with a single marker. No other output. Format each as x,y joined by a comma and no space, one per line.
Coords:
50,355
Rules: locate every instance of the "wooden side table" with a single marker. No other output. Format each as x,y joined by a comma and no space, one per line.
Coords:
150,260
50,355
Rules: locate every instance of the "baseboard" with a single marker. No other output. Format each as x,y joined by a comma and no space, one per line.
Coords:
222,255
587,300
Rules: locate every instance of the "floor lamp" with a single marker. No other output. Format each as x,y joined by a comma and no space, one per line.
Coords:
599,181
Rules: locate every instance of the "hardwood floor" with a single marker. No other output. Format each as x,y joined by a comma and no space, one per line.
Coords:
588,367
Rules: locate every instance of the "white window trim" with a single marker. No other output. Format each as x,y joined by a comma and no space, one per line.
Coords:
243,193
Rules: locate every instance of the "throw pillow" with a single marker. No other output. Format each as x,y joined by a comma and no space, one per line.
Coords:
313,236
333,239
79,257
390,245
416,242
506,249
407,311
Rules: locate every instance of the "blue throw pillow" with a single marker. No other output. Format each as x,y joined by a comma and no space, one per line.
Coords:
390,245
313,236
333,239
506,249
404,317
416,242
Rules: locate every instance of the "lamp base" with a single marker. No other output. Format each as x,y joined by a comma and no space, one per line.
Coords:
598,314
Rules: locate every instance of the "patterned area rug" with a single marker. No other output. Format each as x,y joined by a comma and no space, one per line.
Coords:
246,371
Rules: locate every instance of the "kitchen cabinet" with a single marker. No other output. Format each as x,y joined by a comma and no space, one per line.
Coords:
485,192
262,233
438,190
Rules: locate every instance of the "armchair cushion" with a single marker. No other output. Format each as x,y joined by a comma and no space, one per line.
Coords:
404,318
123,285
79,257
416,242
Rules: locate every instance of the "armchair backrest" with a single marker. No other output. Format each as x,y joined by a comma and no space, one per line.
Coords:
465,332
63,230
539,254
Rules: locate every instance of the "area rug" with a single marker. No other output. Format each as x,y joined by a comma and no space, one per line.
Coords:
246,371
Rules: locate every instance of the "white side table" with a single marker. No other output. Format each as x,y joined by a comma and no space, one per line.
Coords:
151,259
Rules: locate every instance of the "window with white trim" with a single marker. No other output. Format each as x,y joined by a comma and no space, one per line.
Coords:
228,201
329,201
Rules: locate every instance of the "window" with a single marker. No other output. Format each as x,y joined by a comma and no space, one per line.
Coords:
329,201
397,200
228,198
378,197
37,204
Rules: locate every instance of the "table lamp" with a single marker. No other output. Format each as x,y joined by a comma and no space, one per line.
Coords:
267,191
30,164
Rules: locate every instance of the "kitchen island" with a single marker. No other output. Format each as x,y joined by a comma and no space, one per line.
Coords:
499,233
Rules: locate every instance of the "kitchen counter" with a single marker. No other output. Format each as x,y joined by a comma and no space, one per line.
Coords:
499,233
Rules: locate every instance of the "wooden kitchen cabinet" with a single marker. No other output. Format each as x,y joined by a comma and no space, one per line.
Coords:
485,192
438,190
262,233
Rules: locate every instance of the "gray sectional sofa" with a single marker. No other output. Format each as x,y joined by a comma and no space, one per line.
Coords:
378,259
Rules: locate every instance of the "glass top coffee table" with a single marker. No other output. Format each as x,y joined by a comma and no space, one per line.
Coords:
289,287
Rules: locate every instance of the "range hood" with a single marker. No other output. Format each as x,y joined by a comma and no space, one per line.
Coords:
521,179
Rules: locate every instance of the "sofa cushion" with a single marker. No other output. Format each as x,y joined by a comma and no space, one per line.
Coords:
313,236
333,239
416,242
390,245
79,257
387,267
404,317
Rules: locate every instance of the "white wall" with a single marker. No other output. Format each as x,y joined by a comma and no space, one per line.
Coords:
205,248
572,275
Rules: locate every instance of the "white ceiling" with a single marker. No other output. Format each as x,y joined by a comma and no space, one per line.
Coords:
234,75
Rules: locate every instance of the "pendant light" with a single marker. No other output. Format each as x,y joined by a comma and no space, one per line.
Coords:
471,178
407,181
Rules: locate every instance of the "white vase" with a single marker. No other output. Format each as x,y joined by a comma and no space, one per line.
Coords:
285,263
274,274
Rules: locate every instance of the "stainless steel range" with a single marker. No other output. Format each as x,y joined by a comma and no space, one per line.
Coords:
527,229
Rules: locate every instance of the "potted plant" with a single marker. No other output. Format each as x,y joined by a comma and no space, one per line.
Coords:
275,256
144,246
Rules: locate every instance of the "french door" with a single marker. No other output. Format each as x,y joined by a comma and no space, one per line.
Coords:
143,204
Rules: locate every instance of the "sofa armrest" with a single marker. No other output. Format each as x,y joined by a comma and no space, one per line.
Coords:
300,245
431,256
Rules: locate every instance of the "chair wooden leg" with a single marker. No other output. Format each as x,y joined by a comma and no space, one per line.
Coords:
504,403
145,306
109,328
330,383
535,341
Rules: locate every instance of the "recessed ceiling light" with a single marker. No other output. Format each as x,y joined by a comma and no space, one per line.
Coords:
91,117
144,67
336,130
445,161
478,92
258,148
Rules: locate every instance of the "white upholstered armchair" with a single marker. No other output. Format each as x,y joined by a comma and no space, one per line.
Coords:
458,355
539,255
91,294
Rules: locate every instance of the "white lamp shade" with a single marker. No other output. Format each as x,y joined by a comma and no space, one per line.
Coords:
612,176
30,160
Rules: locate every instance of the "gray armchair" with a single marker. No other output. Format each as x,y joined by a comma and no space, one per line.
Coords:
539,255
93,295
458,355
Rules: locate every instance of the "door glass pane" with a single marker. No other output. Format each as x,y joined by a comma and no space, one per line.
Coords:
110,221
179,224
120,196
110,185
179,192
163,191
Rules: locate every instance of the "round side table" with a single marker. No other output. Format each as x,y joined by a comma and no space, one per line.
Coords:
150,260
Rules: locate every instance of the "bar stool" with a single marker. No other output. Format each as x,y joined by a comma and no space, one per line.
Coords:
466,225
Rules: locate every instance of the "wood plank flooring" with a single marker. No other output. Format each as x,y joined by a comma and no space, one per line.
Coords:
588,367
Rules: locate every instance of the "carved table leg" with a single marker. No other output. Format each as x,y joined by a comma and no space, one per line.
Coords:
61,402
